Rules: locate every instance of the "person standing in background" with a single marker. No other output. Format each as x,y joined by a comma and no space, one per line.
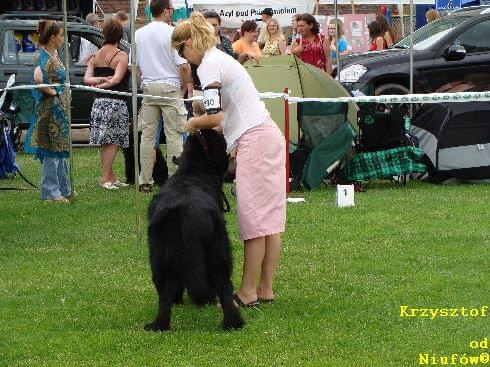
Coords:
246,41
109,120
337,45
123,19
378,42
294,26
267,15
87,48
163,73
275,43
386,30
431,15
311,47
48,135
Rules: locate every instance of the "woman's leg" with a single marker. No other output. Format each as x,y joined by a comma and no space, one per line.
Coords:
107,156
50,188
254,250
64,178
269,265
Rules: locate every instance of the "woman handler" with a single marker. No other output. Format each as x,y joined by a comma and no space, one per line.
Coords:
232,101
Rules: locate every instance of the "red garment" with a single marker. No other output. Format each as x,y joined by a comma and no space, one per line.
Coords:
313,52
374,47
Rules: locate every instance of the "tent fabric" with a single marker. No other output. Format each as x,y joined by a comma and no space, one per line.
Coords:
384,164
456,138
273,74
331,149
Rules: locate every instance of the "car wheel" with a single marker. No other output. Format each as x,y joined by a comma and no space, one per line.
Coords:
391,88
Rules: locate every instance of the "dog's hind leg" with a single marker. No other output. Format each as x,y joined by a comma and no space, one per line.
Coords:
165,293
220,267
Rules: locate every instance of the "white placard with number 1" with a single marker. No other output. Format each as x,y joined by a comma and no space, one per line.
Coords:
345,195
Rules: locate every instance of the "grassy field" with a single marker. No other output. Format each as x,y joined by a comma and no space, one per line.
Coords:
75,290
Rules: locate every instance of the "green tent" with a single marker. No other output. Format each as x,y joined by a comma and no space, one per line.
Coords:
273,74
327,129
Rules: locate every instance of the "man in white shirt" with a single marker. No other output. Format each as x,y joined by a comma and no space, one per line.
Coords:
87,48
163,73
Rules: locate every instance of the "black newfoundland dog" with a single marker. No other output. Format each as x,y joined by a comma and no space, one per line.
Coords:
187,237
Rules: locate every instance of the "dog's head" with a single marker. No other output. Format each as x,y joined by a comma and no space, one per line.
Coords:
206,147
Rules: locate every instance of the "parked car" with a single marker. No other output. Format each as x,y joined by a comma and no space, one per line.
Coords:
18,50
453,48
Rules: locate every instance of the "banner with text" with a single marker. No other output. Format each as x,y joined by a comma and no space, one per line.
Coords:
232,16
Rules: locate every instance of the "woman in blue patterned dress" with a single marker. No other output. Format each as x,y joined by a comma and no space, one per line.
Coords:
48,136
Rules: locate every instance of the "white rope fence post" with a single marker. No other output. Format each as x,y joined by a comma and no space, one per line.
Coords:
134,104
68,93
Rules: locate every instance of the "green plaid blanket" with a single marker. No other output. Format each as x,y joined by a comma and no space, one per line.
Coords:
384,164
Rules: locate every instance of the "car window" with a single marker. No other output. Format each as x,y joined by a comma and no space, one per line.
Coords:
428,35
476,38
19,47
9,53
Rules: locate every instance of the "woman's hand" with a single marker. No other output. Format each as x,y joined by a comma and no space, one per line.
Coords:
298,49
190,126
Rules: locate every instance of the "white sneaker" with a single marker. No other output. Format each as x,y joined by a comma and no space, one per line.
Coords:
109,186
120,184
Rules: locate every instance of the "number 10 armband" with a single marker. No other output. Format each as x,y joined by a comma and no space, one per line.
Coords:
212,100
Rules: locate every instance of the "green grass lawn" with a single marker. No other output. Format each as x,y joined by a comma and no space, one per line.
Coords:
75,290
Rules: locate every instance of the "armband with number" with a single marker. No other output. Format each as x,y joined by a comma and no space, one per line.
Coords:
212,100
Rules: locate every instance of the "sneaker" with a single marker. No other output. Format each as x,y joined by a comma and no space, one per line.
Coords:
120,184
109,186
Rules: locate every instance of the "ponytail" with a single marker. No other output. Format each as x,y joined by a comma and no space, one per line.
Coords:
196,28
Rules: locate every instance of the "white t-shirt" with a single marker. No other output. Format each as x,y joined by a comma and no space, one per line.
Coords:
240,101
87,49
156,58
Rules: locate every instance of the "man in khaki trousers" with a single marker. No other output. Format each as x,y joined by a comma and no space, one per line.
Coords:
163,74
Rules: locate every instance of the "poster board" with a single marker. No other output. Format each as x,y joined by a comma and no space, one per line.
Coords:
355,30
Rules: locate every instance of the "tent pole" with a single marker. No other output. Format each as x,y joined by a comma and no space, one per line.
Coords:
353,8
134,104
411,53
66,50
286,137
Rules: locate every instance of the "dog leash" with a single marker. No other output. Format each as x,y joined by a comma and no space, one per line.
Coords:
225,208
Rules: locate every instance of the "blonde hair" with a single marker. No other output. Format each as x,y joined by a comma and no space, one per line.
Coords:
432,15
340,27
198,30
280,34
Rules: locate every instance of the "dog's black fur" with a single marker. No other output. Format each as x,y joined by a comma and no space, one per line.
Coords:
187,237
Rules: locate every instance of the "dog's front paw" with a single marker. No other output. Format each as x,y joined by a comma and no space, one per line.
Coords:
155,326
234,321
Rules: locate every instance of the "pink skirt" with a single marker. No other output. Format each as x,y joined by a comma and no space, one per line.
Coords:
261,181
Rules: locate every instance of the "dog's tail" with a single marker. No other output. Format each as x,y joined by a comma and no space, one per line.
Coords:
196,232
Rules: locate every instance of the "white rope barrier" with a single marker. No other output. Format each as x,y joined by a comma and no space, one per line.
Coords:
406,98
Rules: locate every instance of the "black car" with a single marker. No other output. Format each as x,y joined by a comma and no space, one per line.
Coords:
453,48
18,50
